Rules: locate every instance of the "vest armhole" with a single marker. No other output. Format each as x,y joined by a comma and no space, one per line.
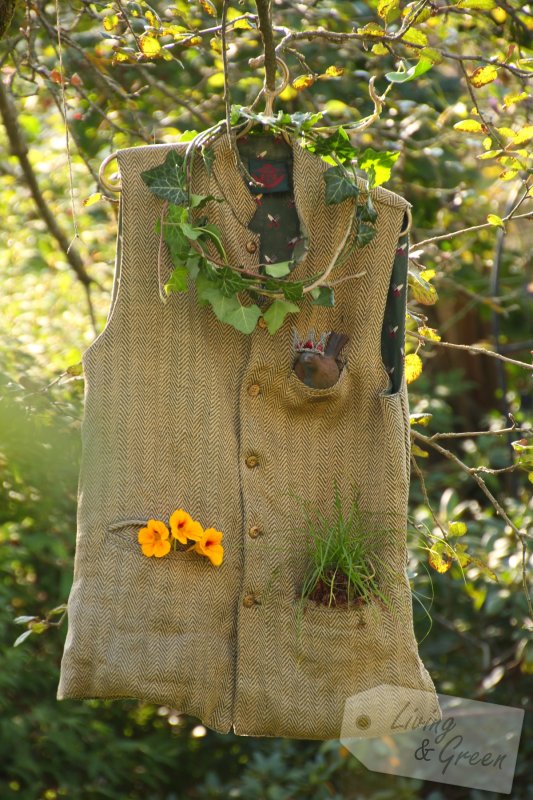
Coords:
105,332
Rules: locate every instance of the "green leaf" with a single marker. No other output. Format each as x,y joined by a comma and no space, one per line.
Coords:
244,318
368,213
230,282
190,231
293,291
339,186
323,296
213,233
422,66
21,638
208,155
365,234
279,269
337,144
220,303
178,281
494,219
199,200
168,179
275,315
378,165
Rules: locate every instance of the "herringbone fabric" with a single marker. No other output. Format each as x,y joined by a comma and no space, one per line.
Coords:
169,423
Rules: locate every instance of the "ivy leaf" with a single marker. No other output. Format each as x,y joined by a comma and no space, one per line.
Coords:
275,315
244,318
199,200
337,144
304,120
368,213
208,155
220,303
365,234
378,165
190,231
230,282
339,186
168,179
422,66
293,291
323,296
178,280
279,269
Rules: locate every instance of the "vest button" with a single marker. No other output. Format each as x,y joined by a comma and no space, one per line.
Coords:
254,390
252,461
254,531
251,247
248,600
261,322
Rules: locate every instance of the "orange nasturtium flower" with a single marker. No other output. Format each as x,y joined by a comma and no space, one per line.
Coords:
154,538
209,545
184,527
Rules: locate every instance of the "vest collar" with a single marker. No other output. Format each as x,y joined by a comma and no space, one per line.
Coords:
330,221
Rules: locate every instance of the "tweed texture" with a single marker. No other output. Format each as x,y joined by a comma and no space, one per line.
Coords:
169,423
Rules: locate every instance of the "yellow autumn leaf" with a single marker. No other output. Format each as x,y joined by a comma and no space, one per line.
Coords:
303,82
379,49
510,99
483,75
494,219
414,36
426,295
150,45
430,53
427,274
523,135
508,175
371,29
242,25
334,71
429,333
469,126
489,154
208,7
152,19
439,560
508,133
413,367
530,477
420,419
387,7
417,451
457,529
423,14
483,5
111,22
92,199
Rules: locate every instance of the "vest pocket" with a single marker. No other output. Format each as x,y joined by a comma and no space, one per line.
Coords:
123,534
362,635
296,392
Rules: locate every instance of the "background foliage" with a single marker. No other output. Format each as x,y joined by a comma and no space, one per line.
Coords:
135,73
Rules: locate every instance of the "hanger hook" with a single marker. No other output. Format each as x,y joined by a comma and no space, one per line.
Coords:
110,187
270,95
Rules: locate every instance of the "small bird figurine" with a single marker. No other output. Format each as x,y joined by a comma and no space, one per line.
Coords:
321,370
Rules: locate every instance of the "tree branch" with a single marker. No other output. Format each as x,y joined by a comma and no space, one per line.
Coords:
19,149
264,13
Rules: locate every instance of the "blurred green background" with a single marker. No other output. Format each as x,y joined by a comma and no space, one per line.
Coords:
473,625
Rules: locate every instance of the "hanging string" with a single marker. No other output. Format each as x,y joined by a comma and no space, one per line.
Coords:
67,136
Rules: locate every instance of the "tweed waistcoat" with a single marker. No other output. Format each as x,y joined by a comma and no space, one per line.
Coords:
182,410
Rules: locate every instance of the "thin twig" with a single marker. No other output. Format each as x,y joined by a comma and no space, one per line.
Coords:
472,471
471,349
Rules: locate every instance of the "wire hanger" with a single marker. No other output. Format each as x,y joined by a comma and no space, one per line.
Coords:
269,102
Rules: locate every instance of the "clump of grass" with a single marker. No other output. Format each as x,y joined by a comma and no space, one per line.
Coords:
341,571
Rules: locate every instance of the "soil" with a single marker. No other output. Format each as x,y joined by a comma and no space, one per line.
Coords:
342,595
